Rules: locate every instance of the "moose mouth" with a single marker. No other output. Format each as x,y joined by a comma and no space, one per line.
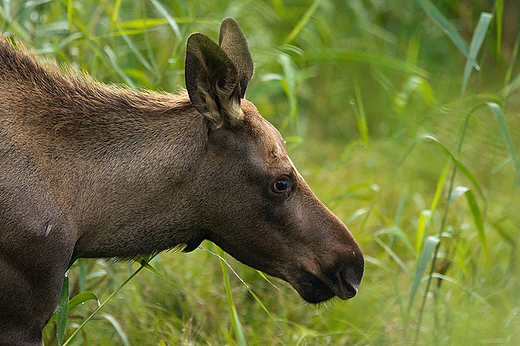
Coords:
315,290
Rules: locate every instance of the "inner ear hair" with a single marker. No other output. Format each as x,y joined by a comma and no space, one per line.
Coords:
228,113
212,82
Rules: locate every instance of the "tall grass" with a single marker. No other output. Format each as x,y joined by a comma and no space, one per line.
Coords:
401,116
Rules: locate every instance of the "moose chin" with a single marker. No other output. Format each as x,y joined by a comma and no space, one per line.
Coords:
88,170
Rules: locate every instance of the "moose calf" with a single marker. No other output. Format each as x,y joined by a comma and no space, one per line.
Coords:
88,170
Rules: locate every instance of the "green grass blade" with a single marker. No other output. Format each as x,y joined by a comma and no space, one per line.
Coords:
168,17
70,9
479,222
516,83
398,232
75,301
268,281
476,42
301,23
497,111
457,192
134,49
400,206
82,274
429,246
394,256
398,296
19,28
148,266
7,9
475,213
102,305
426,215
460,165
438,189
424,219
117,326
115,11
412,53
222,259
113,61
446,151
414,85
499,10
234,315
360,115
144,23
511,87
151,55
290,74
62,310
445,25
461,257
347,56
82,298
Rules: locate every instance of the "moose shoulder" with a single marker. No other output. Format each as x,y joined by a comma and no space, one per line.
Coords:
88,170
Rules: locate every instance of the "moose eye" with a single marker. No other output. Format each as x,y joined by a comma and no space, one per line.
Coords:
281,185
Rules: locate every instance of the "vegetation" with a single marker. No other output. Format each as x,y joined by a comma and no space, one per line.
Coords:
402,117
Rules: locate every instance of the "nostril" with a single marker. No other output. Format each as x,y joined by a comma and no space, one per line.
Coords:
346,287
350,289
345,276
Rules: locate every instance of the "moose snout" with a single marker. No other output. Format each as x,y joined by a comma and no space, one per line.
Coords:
332,263
345,280
341,279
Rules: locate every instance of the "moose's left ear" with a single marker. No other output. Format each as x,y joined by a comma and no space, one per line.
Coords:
233,42
212,82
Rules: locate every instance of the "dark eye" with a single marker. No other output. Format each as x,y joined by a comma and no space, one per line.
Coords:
281,185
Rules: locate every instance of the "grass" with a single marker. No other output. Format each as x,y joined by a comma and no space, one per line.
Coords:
400,115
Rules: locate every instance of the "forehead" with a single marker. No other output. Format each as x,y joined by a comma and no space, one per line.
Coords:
269,142
266,134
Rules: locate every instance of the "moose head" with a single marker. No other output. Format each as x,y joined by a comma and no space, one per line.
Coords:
260,209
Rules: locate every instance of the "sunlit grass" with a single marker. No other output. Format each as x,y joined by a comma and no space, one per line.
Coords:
390,123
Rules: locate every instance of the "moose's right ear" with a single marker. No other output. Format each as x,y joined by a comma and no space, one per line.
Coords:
212,82
233,42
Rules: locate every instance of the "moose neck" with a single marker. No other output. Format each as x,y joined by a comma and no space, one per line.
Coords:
120,213
96,150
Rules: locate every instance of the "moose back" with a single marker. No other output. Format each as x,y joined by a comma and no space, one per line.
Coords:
88,170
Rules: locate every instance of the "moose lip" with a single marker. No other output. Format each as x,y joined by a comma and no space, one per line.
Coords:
314,290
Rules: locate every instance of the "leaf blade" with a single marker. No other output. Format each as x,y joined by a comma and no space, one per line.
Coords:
445,25
478,220
476,43
160,8
117,326
499,115
429,246
303,21
62,311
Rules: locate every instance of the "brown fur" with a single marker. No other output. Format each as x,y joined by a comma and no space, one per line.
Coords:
94,171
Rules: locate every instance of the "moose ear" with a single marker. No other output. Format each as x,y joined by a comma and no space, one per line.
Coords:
212,82
233,42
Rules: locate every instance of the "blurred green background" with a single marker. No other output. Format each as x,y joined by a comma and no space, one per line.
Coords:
402,116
